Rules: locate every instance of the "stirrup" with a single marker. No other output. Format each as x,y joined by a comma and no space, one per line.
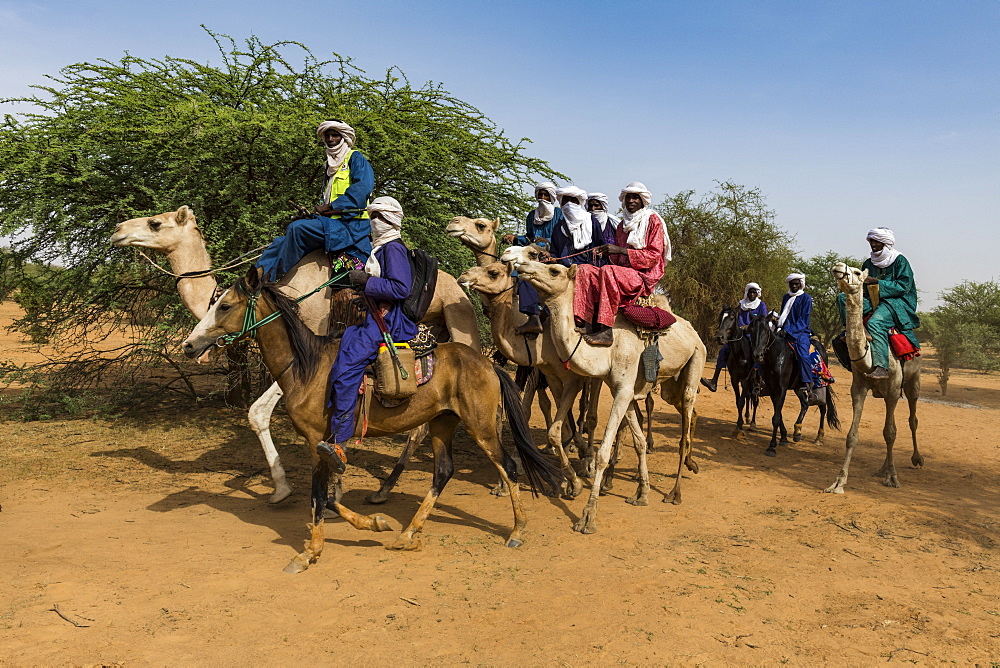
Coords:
334,455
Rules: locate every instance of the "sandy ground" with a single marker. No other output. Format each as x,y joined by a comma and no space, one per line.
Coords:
154,536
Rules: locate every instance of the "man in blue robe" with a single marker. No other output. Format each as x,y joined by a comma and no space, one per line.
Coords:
796,310
579,230
749,306
386,279
539,226
341,222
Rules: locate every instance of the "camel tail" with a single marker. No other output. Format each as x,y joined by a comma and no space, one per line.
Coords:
832,418
539,470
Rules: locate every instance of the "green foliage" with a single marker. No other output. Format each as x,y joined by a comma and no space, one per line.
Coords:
117,140
825,320
720,243
965,329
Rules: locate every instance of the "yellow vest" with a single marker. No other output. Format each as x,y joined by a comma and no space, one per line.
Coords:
338,183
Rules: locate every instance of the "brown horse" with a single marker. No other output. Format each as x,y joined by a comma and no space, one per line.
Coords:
465,388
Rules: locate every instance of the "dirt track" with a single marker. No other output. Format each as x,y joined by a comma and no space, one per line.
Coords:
155,534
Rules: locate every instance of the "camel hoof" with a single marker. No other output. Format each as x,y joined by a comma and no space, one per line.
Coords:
771,452
548,450
570,448
407,545
280,494
573,489
891,481
377,498
834,489
586,524
513,542
298,564
674,498
637,501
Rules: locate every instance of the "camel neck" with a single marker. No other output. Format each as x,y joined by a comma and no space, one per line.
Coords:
195,293
857,342
514,347
487,255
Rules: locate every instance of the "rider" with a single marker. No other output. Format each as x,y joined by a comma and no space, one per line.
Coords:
796,309
539,224
597,205
580,231
750,305
386,279
341,222
635,264
897,305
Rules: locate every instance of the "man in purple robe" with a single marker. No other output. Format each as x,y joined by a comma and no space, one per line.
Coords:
386,280
749,306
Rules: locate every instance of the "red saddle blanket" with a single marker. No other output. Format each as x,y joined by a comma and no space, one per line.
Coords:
648,317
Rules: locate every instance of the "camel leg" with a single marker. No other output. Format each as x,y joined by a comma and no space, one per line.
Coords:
858,394
413,440
888,470
689,418
650,405
567,395
260,422
442,430
314,546
608,483
588,519
641,496
587,453
912,391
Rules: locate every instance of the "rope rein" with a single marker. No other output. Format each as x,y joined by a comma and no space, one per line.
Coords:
231,264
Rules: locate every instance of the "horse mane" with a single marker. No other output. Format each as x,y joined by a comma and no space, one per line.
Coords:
307,347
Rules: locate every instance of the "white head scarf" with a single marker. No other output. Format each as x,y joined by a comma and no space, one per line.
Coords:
888,254
385,228
637,224
746,304
576,219
793,296
335,156
602,215
545,210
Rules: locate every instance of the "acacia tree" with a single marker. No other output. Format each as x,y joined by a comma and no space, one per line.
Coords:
825,321
965,329
721,242
110,141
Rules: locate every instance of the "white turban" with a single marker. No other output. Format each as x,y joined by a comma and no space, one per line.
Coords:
384,229
602,214
888,254
545,210
600,197
335,156
637,224
576,218
746,303
792,296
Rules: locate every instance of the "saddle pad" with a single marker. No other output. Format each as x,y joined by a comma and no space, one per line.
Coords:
648,317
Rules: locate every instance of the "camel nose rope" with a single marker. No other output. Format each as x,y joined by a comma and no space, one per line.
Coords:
231,264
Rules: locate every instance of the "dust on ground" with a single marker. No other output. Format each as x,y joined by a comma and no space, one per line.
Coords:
153,536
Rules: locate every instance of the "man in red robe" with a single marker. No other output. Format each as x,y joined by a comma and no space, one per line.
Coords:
636,262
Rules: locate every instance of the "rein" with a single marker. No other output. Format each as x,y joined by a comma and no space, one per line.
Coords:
231,264
578,342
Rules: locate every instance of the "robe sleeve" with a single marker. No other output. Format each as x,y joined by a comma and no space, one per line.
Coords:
899,282
560,245
394,283
362,184
642,259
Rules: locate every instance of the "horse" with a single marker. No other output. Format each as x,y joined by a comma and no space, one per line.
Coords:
741,366
465,388
779,373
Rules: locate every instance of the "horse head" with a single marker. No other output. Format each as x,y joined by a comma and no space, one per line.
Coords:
727,325
761,336
225,317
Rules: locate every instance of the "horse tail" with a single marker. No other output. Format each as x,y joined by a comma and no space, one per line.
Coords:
539,470
832,418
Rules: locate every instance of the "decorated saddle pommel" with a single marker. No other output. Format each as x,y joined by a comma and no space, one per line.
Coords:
643,314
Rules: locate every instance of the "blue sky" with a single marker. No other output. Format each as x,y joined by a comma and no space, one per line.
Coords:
845,114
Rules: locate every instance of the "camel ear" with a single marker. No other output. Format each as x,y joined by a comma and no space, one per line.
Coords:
864,275
496,223
572,271
183,215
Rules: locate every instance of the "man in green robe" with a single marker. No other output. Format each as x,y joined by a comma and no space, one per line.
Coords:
897,305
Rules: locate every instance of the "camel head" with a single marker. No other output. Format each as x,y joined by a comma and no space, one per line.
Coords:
491,280
517,255
550,279
479,234
163,232
849,279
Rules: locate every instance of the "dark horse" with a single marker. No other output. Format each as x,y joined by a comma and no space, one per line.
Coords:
741,365
780,373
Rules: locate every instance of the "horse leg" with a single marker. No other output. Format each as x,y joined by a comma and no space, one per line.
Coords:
888,470
641,496
320,491
821,434
260,421
413,440
777,403
754,403
859,391
588,518
442,430
803,409
740,403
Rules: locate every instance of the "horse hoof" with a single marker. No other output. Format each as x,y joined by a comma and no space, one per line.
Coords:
513,542
771,452
280,494
818,441
377,498
796,438
411,545
739,435
296,565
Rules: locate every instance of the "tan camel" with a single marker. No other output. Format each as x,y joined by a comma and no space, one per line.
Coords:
618,365
905,377
478,235
176,235
465,388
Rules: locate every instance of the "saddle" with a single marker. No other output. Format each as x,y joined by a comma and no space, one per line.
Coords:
817,360
422,349
645,314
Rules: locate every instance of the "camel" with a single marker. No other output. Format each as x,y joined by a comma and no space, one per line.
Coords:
176,235
903,379
465,388
618,365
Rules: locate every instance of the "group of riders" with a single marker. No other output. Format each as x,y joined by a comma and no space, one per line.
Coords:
618,260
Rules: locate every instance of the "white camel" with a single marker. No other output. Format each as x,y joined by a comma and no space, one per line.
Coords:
905,377
176,235
619,366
